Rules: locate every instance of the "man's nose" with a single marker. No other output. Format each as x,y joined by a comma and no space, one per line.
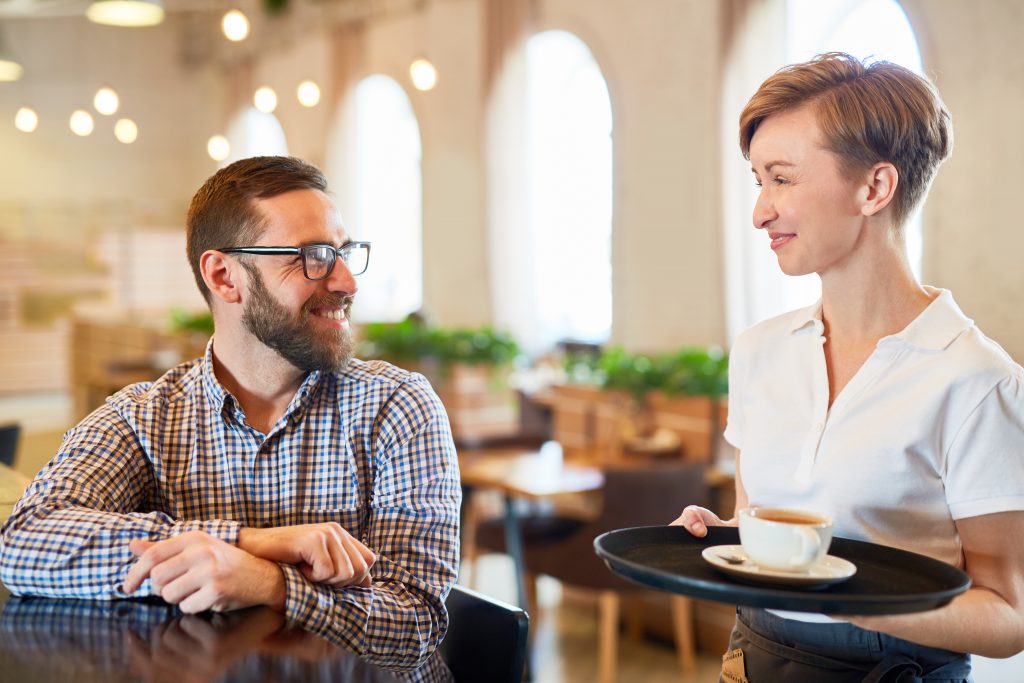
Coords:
341,279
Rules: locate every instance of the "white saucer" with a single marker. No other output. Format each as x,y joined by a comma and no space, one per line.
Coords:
828,571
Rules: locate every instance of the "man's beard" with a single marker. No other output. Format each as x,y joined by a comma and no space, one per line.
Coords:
294,337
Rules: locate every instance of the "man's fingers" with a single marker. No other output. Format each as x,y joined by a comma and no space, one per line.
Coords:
149,556
139,546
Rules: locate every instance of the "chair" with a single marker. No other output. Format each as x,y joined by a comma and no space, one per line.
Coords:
642,495
9,443
486,639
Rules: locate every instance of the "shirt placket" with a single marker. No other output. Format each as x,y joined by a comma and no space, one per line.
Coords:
819,410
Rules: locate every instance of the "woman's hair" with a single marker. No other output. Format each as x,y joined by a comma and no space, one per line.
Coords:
223,213
868,113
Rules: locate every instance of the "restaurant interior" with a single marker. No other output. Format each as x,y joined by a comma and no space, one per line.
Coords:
560,220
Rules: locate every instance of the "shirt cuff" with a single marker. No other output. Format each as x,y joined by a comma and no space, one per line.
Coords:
224,530
303,604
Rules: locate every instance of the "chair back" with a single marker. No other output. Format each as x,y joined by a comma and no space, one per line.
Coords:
650,494
486,639
9,443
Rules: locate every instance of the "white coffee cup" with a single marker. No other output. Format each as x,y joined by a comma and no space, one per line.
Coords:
785,540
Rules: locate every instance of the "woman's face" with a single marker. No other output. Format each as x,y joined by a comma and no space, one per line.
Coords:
806,205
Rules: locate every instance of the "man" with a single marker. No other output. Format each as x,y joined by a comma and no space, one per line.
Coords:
276,470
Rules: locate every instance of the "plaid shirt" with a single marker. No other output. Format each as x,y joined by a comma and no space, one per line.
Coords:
369,448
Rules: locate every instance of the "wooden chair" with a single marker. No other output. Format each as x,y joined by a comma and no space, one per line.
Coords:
641,495
486,639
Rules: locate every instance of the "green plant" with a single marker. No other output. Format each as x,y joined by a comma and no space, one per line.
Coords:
185,321
690,371
413,340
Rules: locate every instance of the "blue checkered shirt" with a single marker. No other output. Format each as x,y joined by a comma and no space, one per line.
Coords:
369,448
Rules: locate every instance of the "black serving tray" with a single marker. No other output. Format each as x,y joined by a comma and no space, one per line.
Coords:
888,580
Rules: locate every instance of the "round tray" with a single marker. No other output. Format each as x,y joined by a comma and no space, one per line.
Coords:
888,580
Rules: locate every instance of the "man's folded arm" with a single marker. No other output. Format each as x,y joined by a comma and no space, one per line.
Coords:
69,534
413,528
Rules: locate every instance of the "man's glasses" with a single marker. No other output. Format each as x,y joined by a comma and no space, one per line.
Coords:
318,259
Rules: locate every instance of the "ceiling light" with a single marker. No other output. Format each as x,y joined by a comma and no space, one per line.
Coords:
81,122
26,120
126,131
10,69
423,74
126,12
218,148
309,94
265,99
106,101
235,26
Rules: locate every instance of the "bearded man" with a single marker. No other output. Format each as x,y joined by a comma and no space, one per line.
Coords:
275,470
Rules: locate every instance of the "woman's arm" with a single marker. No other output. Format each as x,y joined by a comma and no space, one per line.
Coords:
988,619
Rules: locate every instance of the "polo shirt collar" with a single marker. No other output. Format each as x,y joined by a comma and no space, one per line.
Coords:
935,328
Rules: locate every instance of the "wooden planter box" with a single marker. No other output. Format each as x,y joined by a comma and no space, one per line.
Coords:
590,422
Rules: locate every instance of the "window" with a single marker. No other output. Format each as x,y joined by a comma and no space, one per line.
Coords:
384,199
553,269
876,29
254,133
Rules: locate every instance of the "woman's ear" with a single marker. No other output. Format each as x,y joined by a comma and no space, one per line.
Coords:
221,276
879,188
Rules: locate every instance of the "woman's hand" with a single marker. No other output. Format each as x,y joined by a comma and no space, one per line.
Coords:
697,520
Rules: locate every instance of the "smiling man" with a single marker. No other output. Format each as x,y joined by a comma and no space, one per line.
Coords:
276,470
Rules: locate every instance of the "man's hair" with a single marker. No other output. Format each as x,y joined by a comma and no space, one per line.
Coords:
868,113
223,212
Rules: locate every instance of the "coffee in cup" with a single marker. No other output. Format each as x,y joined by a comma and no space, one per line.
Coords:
785,540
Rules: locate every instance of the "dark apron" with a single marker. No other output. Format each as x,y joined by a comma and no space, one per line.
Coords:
778,650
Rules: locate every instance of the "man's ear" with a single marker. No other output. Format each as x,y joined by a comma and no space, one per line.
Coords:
221,275
879,190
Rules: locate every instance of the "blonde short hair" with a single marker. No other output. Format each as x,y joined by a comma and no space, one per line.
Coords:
868,113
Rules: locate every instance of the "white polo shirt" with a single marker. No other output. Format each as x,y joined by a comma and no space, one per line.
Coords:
929,430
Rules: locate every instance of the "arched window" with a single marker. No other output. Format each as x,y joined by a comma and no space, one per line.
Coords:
553,270
383,198
873,29
254,133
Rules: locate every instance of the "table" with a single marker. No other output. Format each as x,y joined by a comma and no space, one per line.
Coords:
146,640
524,474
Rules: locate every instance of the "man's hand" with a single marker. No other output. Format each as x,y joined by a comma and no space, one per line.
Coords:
697,520
199,572
325,553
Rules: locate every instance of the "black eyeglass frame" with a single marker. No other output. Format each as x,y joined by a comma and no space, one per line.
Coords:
301,251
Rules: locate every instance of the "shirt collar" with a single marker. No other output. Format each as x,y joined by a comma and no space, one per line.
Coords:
935,328
220,398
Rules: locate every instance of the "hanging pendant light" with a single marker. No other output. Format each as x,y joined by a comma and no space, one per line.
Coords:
130,13
10,69
423,74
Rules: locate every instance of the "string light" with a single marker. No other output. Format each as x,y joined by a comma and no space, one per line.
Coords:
81,122
235,26
423,74
265,99
308,94
218,148
126,131
106,101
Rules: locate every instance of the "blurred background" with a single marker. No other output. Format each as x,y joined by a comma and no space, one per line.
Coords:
553,189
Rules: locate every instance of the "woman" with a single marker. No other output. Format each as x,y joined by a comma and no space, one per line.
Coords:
882,405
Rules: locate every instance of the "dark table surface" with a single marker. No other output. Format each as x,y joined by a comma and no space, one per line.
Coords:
127,640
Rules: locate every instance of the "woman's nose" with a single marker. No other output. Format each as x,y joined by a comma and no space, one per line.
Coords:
764,210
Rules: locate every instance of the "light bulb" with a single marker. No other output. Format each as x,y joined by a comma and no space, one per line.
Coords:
26,120
106,101
81,122
235,26
126,131
309,94
218,148
423,74
265,99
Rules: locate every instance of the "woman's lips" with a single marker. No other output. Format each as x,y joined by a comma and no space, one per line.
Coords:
780,239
